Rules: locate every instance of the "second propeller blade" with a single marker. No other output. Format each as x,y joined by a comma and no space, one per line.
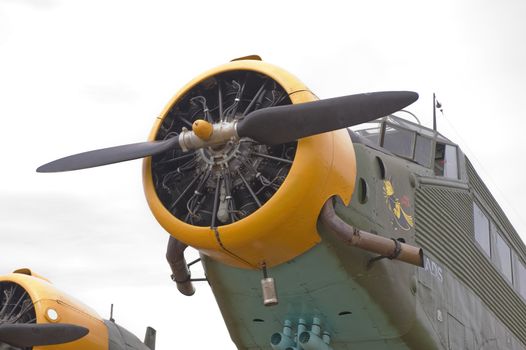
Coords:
29,335
283,124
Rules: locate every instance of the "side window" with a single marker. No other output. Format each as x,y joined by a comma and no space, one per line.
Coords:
481,227
521,272
423,148
446,163
503,257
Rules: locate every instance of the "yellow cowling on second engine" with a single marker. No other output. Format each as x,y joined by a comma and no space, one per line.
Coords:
245,203
28,299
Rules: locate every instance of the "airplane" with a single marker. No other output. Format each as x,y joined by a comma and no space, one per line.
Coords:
34,314
314,235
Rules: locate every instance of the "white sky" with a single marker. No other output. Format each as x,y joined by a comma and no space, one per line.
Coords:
80,75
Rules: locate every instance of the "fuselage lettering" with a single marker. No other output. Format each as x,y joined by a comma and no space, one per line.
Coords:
434,269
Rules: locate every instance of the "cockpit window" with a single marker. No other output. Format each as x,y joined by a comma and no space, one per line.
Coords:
414,142
408,144
446,161
399,141
371,134
423,149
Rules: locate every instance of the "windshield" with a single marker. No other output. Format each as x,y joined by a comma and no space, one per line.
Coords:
403,138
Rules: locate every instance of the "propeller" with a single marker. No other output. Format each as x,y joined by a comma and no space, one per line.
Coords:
273,125
28,335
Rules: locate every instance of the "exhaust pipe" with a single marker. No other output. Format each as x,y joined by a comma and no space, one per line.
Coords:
179,267
283,341
385,247
280,341
311,340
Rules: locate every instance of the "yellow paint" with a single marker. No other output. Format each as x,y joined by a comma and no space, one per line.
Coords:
388,188
285,226
393,203
202,129
408,218
29,272
44,296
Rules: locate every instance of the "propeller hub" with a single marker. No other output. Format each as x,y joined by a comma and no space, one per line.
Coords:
203,129
200,137
230,157
220,156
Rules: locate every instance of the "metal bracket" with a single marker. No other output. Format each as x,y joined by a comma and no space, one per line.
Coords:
396,252
190,272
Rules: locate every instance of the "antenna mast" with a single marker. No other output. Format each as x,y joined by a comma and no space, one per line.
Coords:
436,105
434,112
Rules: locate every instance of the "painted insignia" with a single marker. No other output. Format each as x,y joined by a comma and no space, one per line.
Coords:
396,207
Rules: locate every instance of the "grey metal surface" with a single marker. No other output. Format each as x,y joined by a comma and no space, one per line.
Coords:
121,339
315,284
150,338
459,300
445,227
483,194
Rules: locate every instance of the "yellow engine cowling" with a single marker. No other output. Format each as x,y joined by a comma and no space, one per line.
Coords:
53,306
285,225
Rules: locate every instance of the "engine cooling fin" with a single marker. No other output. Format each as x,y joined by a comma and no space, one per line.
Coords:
215,186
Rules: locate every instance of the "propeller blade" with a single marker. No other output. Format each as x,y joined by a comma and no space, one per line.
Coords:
283,124
109,155
27,335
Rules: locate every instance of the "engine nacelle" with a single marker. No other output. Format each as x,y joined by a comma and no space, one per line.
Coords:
29,301
41,303
245,203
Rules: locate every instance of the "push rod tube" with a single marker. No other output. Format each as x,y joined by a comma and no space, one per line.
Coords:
370,242
179,267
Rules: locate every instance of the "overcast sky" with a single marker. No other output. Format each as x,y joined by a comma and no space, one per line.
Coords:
80,75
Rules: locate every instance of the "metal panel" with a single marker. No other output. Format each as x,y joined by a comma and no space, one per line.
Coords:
456,334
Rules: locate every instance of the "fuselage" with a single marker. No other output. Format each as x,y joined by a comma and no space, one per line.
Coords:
461,298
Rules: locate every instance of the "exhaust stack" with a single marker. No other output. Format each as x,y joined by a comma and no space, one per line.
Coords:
283,341
385,247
